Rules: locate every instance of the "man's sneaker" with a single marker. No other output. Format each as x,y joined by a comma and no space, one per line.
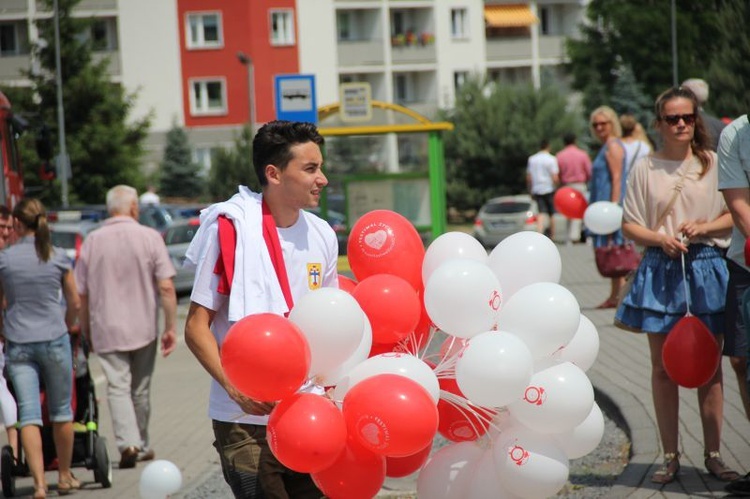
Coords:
146,455
739,487
128,457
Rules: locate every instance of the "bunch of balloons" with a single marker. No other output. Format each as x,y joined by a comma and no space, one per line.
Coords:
507,388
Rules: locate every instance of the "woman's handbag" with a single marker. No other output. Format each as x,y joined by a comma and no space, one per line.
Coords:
617,260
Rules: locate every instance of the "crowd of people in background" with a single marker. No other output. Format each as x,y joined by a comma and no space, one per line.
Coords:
683,204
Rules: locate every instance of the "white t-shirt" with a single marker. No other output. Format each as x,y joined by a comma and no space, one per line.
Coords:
310,253
634,150
542,166
149,197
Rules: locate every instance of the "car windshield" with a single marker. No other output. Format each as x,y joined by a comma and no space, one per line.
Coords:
507,207
180,234
63,239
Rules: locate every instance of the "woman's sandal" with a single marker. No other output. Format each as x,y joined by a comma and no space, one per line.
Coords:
65,487
668,471
40,493
717,468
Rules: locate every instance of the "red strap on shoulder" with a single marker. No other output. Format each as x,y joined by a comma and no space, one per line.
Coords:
225,263
271,236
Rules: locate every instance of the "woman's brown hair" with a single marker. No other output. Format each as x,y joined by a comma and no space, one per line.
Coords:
701,143
31,213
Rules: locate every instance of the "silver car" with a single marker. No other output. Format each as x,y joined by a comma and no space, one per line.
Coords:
500,217
70,235
178,237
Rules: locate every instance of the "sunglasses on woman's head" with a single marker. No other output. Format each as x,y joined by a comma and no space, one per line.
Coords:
674,119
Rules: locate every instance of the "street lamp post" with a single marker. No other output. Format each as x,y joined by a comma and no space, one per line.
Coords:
63,166
247,61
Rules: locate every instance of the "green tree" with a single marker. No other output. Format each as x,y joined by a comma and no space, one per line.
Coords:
497,128
729,71
637,33
104,146
179,175
627,97
233,167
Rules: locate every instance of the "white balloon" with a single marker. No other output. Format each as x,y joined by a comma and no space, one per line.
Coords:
583,348
585,437
525,258
557,399
485,480
333,323
451,245
462,298
603,217
494,369
530,464
399,363
160,479
544,315
359,355
448,472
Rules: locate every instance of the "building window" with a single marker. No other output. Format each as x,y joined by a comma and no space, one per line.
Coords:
544,26
202,156
282,27
459,23
103,35
344,25
208,97
204,30
8,39
459,78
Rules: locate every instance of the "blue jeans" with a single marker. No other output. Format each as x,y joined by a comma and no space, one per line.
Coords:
50,361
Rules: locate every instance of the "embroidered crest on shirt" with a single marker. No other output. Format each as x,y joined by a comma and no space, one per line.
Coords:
314,275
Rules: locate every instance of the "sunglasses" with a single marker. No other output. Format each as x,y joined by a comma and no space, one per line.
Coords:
6,227
597,124
674,119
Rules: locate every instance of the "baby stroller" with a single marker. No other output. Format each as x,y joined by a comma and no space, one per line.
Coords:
89,449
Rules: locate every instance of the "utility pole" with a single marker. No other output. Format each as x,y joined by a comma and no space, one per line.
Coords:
675,80
246,60
63,163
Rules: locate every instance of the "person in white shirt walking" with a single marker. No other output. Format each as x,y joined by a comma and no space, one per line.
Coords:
542,177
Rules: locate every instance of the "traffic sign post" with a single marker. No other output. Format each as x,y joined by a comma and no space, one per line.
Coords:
295,98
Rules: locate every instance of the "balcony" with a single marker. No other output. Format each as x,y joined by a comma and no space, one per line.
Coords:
360,53
11,67
411,48
519,48
11,7
114,68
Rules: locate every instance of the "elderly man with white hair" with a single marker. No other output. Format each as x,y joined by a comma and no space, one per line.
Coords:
714,125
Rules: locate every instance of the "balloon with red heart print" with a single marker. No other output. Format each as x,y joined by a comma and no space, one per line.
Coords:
385,242
690,354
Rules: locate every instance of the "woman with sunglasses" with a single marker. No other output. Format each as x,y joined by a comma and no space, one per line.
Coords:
674,209
608,180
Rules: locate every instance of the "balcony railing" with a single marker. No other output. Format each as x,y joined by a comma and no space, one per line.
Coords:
13,7
511,49
360,53
413,54
11,66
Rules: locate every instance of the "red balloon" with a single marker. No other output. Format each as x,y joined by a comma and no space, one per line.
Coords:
384,242
378,348
306,432
397,467
690,354
458,425
390,415
347,284
570,202
356,474
391,304
265,356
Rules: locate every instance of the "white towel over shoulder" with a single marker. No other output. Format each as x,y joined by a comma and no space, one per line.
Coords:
255,285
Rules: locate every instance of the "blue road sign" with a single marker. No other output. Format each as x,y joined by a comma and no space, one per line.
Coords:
295,98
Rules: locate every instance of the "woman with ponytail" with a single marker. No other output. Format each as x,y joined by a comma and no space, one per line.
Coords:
32,276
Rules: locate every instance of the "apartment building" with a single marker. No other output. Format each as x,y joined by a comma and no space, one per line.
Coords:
209,65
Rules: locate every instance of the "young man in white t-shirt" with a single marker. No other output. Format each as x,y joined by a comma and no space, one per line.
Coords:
288,162
542,178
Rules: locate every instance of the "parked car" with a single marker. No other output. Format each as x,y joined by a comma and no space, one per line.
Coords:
70,235
177,238
90,212
500,217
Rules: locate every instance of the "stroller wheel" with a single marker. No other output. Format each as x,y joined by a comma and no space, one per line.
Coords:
102,464
7,466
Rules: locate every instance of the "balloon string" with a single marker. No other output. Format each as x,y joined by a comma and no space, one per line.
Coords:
467,409
685,284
